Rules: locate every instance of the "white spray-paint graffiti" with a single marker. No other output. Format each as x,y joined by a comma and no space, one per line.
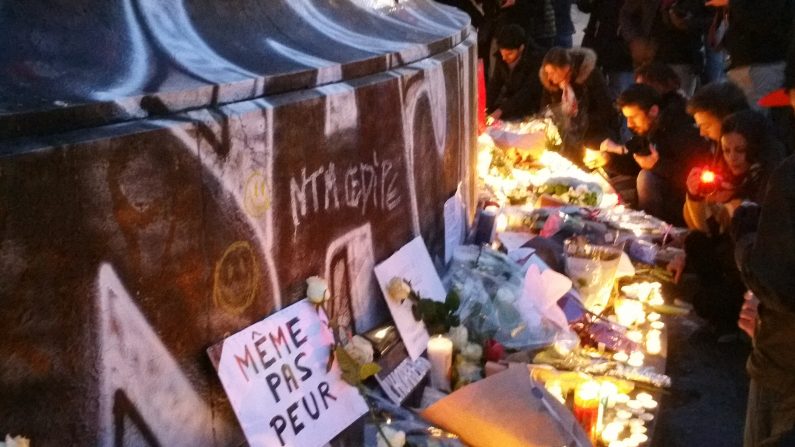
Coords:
360,186
245,173
133,359
357,248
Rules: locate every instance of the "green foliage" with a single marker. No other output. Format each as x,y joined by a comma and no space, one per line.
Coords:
437,316
353,373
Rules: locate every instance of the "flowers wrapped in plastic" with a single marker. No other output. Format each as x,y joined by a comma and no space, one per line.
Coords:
592,269
490,287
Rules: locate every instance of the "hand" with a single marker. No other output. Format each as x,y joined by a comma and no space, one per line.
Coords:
732,205
611,146
647,162
722,195
693,181
717,3
594,159
676,266
494,116
749,314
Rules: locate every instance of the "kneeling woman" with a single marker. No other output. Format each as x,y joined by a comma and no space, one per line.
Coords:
576,93
748,154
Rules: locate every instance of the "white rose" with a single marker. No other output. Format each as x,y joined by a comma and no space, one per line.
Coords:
360,350
316,289
16,441
468,372
396,438
473,352
398,289
459,336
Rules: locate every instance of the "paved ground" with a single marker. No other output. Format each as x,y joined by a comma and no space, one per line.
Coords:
706,406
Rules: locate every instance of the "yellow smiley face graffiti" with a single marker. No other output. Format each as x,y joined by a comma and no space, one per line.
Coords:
236,278
256,199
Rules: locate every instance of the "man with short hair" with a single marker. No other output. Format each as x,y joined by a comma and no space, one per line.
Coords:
514,90
665,146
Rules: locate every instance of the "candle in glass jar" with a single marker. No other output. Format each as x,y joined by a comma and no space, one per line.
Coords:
440,355
587,407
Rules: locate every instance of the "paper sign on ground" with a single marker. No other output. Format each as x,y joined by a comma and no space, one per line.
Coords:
274,373
544,289
412,263
454,224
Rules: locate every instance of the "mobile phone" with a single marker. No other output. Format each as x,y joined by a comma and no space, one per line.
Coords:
638,146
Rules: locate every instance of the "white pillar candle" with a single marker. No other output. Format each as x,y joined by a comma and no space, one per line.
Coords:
440,354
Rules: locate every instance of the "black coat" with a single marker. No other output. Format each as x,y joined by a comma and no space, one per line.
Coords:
767,262
602,34
759,31
516,92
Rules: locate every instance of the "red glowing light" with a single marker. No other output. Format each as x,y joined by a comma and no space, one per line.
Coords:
707,176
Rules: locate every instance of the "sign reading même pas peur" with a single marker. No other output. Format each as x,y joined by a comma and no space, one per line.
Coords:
274,373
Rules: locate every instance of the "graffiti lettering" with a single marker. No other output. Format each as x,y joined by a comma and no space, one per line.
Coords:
365,186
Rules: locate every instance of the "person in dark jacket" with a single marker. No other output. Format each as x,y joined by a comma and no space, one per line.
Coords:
669,31
602,35
576,92
665,146
514,90
564,26
757,39
765,255
749,153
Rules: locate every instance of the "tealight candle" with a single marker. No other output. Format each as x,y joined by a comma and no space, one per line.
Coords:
622,398
624,415
639,438
649,404
653,346
638,429
635,336
635,359
659,325
635,406
629,311
643,396
648,417
440,355
654,316
620,356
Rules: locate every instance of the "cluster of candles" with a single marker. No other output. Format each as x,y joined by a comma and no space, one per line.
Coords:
627,426
612,416
630,312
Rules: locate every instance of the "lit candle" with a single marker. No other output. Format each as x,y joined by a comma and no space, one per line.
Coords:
624,415
622,398
635,359
648,417
653,346
643,396
440,355
635,406
658,325
654,316
502,223
620,356
629,311
649,404
587,407
635,336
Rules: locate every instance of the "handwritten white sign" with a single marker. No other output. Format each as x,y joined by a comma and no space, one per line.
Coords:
274,373
454,224
412,263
